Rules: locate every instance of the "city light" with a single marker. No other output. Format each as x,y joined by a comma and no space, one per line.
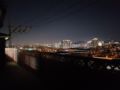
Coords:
100,44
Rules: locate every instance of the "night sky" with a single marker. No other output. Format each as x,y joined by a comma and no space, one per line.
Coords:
55,20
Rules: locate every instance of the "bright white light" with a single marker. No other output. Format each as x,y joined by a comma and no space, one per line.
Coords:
30,49
95,39
108,67
21,47
6,38
116,68
66,50
89,41
99,43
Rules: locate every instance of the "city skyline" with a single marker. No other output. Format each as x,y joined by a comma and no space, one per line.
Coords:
56,20
57,44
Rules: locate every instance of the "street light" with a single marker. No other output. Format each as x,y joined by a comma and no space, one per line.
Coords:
6,38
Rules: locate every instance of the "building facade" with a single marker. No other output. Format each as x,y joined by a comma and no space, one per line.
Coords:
66,44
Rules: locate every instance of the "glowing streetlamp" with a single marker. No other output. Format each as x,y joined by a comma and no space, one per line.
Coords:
6,38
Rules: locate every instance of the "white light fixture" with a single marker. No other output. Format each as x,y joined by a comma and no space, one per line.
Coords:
6,38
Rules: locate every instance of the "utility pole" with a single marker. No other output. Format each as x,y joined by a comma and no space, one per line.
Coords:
16,29
10,34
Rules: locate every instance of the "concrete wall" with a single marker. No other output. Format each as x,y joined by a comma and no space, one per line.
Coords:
30,61
12,53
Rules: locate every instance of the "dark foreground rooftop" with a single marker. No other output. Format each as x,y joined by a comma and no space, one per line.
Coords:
16,77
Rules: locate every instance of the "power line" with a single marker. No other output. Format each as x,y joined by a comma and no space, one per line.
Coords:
72,9
17,29
59,6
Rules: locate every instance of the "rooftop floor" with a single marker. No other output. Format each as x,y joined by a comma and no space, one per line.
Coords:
14,76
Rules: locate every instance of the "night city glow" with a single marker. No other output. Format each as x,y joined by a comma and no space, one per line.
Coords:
60,44
58,20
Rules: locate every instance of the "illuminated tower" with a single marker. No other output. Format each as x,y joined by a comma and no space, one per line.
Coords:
95,42
66,44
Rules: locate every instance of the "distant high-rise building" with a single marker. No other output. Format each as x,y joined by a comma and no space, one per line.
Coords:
95,42
66,44
79,44
57,45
